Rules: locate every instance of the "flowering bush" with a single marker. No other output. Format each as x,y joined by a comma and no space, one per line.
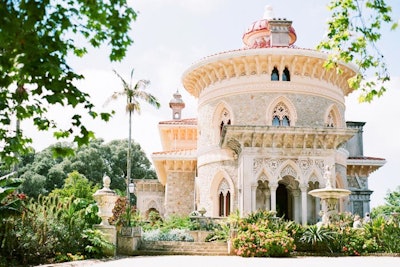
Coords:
257,242
261,234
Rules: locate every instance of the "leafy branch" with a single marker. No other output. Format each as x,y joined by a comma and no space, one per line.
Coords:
354,30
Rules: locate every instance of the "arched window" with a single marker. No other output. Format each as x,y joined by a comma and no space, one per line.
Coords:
330,122
225,120
285,121
275,121
281,116
275,74
332,119
221,204
228,204
286,75
224,200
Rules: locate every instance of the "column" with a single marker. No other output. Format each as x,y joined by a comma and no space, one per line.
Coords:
272,188
317,208
303,189
253,197
268,200
296,206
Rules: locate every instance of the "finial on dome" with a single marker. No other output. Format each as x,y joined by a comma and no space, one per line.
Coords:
268,12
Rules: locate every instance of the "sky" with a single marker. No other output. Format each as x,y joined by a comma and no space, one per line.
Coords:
170,35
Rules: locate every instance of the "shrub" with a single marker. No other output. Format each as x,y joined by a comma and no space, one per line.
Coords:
261,234
385,233
318,238
52,229
122,216
257,242
170,235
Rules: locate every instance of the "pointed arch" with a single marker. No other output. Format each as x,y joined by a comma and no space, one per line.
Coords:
286,74
263,175
275,74
315,175
332,117
289,168
223,115
222,192
152,207
285,115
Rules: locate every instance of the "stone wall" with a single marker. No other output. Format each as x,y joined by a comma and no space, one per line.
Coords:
179,194
208,180
150,195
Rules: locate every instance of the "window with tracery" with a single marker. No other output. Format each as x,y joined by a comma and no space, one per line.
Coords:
225,120
275,74
286,75
281,116
224,199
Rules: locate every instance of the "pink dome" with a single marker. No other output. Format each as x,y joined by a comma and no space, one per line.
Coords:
258,33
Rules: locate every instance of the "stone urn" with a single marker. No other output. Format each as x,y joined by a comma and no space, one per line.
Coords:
105,199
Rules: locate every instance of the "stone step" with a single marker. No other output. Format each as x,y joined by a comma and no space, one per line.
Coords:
182,248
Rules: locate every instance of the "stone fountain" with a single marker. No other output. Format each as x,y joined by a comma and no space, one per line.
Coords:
329,196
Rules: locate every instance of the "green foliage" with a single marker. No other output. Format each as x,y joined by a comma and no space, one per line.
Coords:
51,228
43,173
261,234
318,237
10,201
354,30
259,241
36,38
392,204
177,222
220,232
385,232
133,92
76,185
123,216
170,235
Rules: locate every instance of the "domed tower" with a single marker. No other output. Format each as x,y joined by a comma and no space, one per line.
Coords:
270,117
176,104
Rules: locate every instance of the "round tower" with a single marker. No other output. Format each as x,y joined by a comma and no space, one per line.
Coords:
270,117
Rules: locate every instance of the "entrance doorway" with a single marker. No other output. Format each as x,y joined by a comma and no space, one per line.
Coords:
282,202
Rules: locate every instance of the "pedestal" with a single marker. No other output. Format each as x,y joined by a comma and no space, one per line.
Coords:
110,233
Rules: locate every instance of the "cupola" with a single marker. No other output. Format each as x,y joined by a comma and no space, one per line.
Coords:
176,104
269,32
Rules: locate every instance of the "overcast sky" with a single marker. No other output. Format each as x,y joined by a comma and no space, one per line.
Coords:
170,35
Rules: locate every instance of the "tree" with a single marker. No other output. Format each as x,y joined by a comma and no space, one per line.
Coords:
114,154
76,185
43,173
392,204
353,32
133,93
36,38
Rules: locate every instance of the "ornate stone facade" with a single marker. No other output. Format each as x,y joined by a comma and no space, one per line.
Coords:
270,118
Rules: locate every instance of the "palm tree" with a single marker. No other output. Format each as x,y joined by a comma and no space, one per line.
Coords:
133,93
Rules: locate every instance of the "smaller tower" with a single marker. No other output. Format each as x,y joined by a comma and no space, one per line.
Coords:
176,104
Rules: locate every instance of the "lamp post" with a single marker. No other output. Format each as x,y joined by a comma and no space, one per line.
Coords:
131,188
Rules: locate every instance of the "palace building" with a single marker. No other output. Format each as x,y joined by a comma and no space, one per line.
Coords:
270,118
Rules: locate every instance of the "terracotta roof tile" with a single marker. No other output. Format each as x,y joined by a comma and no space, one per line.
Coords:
191,121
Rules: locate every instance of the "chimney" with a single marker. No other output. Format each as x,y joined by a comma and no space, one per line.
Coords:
280,32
